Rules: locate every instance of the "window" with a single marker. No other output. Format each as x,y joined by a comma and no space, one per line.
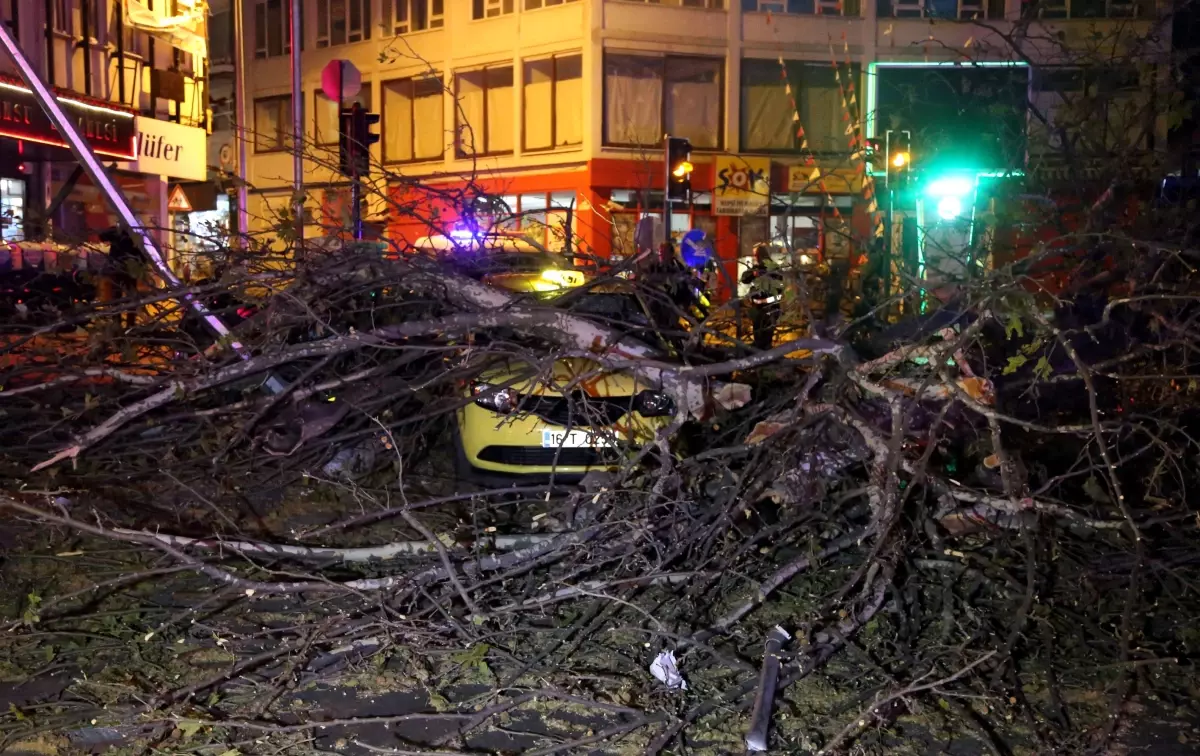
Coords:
96,17
542,217
1098,109
413,120
484,121
711,4
272,34
272,124
11,15
325,114
62,16
491,8
805,7
946,9
535,4
404,16
1087,8
342,21
553,102
220,37
646,97
12,209
767,118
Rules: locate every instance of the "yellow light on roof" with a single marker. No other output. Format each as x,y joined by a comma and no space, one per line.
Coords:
563,278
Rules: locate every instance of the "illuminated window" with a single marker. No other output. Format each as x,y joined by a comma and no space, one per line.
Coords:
272,124
343,21
491,8
272,33
413,120
12,209
535,4
484,122
325,114
405,16
647,96
553,102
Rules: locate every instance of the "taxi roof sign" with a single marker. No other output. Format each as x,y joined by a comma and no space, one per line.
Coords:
178,201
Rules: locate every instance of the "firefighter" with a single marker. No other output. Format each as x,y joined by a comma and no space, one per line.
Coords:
766,290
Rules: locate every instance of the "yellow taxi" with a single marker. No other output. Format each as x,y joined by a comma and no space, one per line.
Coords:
566,419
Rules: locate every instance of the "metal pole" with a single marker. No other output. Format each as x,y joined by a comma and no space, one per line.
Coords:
297,129
239,129
95,170
666,189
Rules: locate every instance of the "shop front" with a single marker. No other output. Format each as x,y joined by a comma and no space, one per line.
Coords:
33,153
738,202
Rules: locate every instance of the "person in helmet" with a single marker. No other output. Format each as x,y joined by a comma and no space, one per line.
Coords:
766,290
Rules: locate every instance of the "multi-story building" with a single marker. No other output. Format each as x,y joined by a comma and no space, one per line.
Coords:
133,75
559,107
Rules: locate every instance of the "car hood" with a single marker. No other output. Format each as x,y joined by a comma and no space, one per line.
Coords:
570,374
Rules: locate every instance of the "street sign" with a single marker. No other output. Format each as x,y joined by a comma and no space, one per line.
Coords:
178,201
341,80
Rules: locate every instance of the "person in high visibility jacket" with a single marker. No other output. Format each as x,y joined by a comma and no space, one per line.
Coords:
766,290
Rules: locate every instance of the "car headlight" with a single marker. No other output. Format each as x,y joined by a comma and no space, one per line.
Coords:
495,398
653,404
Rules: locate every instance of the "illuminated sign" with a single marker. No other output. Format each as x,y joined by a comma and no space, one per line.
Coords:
110,132
742,186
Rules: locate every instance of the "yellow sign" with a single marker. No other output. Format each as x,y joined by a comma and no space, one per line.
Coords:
178,201
742,185
807,179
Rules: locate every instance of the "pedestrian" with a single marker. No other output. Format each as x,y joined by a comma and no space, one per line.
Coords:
121,269
766,290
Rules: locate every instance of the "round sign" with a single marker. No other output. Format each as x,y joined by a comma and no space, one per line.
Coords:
340,80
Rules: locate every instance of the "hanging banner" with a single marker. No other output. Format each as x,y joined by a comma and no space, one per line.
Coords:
807,179
742,186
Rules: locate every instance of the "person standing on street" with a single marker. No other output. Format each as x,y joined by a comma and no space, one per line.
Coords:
766,290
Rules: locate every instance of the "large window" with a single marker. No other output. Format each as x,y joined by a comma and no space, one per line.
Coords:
62,16
220,37
543,217
413,120
1087,8
272,124
768,122
484,117
491,8
646,97
712,4
1097,110
272,36
535,4
404,16
325,114
342,21
12,209
553,102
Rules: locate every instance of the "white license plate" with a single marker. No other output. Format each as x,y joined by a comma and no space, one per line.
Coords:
561,439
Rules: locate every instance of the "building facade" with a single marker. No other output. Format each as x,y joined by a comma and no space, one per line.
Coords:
557,108
135,77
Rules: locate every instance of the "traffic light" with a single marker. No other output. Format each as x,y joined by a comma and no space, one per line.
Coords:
950,194
899,158
679,169
355,137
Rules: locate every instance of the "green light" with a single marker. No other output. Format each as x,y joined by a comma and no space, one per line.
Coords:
949,208
950,187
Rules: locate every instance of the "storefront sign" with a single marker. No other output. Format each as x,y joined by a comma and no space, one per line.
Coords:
808,179
171,150
743,185
110,132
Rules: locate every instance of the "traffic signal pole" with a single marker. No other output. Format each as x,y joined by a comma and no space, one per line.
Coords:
666,189
141,235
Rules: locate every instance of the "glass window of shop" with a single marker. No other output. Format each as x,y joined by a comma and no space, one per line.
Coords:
12,209
546,218
628,207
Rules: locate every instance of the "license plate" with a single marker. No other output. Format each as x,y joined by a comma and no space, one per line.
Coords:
556,439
